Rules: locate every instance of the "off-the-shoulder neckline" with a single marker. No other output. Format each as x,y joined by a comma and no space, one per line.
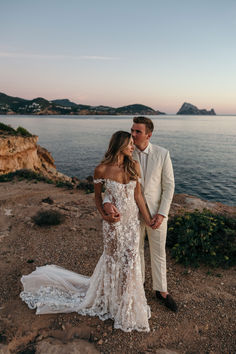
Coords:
112,180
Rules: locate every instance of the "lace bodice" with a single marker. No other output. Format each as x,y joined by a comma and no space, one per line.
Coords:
115,289
122,196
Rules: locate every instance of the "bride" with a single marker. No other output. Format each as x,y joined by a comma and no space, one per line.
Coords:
115,289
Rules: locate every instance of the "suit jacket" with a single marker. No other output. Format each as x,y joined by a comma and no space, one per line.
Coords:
158,183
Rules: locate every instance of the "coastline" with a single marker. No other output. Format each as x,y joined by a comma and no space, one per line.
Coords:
203,166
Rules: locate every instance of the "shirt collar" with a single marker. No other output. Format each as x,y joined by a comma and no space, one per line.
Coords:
145,151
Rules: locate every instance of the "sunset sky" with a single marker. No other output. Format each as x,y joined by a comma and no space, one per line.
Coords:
160,53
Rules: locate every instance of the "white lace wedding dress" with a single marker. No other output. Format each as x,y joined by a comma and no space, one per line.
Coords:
115,290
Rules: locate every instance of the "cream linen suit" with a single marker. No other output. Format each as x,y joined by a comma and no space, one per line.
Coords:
158,189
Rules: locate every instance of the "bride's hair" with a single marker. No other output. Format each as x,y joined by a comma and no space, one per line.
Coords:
119,141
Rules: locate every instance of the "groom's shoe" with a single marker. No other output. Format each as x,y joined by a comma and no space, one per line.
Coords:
168,301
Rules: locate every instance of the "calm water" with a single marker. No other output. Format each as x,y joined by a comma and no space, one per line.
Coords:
203,148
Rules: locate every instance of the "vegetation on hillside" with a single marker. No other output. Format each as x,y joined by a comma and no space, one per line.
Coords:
7,129
203,238
30,175
24,174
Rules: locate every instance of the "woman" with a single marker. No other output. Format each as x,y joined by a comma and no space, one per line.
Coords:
115,289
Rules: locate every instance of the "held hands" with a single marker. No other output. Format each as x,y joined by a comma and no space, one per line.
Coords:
112,213
156,221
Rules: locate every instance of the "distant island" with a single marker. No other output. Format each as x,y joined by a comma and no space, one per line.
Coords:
40,106
190,109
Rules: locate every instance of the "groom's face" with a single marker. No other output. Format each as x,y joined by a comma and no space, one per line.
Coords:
140,136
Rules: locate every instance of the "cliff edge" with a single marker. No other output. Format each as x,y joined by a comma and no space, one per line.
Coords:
22,152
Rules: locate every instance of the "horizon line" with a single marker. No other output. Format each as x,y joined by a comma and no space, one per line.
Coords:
27,99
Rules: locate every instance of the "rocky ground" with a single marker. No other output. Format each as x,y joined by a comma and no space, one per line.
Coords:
205,322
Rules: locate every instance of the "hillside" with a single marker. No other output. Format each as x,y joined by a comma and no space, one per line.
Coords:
41,106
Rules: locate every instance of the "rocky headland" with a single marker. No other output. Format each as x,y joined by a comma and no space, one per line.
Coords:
22,152
40,106
190,109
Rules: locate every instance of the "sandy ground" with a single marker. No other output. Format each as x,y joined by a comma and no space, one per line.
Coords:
205,322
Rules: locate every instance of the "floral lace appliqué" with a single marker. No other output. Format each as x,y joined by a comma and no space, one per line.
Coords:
115,289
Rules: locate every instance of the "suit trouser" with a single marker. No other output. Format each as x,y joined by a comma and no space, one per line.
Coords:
157,245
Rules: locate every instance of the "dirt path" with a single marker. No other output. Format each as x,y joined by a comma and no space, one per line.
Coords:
205,322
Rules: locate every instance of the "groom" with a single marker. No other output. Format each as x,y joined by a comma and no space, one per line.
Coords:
157,181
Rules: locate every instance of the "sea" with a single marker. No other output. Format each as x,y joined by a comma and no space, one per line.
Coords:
202,148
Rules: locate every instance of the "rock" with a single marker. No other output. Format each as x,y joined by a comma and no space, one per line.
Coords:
54,346
191,203
74,179
190,109
48,200
23,153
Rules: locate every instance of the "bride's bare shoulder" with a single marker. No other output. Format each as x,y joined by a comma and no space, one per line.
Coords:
100,171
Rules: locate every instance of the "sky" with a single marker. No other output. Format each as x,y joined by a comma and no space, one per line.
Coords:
159,53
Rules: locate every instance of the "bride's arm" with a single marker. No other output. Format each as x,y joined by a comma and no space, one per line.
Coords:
98,174
140,199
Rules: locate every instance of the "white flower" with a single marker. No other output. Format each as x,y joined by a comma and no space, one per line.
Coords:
8,212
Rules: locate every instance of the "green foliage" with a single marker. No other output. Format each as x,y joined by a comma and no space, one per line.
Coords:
203,238
23,132
24,174
7,128
64,184
48,218
88,187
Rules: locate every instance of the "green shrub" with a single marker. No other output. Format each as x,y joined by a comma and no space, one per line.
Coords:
22,131
24,174
7,128
19,131
64,184
203,238
48,218
88,187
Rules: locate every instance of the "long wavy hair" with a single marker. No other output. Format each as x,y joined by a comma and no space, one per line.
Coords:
119,141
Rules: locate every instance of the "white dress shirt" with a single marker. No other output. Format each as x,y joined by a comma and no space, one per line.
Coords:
143,157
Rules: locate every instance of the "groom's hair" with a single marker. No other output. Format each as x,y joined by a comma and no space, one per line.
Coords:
146,121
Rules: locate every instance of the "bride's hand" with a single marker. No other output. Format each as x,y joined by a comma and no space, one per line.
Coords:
148,222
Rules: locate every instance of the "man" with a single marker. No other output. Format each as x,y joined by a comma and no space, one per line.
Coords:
157,181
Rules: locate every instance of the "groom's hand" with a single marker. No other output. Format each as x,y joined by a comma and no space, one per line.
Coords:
112,212
109,208
156,221
111,218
